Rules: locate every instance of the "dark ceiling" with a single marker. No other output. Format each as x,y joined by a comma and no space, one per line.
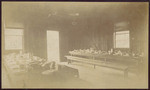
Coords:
26,12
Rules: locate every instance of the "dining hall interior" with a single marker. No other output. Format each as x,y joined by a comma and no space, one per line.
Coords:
74,45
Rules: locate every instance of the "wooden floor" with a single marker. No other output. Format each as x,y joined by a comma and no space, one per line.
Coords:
88,78
102,77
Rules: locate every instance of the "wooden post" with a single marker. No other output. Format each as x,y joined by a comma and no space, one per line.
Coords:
105,61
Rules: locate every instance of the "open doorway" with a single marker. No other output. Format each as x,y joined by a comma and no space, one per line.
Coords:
53,46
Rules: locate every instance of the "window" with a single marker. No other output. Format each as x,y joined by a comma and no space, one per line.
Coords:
13,39
121,39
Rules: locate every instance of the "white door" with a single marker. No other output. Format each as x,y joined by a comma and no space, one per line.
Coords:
53,45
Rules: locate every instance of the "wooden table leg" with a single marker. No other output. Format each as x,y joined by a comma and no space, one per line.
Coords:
69,61
94,66
126,73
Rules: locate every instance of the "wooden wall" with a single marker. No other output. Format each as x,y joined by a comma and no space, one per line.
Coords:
85,34
94,33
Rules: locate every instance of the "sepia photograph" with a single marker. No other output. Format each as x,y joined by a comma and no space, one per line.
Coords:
74,45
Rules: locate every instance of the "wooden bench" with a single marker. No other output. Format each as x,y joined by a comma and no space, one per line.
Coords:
123,68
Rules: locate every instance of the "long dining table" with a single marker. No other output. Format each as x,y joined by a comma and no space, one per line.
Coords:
124,63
